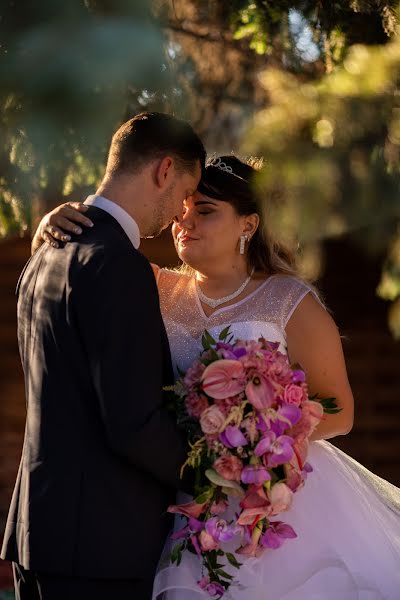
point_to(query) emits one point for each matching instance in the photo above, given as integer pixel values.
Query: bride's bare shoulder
(156, 269)
(164, 275)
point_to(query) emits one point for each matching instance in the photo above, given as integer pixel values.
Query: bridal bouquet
(249, 420)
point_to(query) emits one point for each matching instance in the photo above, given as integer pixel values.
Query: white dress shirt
(127, 223)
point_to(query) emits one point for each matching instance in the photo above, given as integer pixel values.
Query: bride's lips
(184, 239)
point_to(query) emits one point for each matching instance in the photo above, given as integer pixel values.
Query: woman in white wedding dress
(347, 520)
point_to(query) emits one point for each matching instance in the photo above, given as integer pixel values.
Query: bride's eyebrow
(199, 202)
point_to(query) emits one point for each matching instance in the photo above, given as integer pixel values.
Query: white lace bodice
(265, 312)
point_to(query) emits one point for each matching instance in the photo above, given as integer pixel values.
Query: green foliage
(330, 406)
(70, 73)
(207, 340)
(332, 149)
(232, 559)
(333, 26)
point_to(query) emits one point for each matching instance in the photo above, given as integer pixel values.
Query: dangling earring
(243, 240)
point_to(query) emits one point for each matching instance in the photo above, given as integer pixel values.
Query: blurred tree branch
(326, 112)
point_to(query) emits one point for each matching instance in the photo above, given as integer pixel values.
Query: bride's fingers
(49, 239)
(71, 212)
(63, 223)
(77, 206)
(56, 233)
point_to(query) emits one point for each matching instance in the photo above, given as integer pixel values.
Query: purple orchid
(276, 450)
(298, 376)
(256, 474)
(276, 534)
(262, 423)
(220, 530)
(287, 416)
(193, 526)
(227, 351)
(232, 437)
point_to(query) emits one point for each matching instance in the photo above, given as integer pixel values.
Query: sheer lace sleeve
(291, 291)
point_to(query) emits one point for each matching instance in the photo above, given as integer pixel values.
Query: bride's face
(208, 231)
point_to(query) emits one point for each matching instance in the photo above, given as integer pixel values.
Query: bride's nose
(185, 221)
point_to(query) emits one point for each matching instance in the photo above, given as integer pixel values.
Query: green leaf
(212, 559)
(224, 333)
(205, 495)
(207, 340)
(176, 553)
(222, 573)
(330, 405)
(232, 559)
(228, 486)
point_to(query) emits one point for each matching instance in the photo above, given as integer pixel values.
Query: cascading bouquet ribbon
(249, 420)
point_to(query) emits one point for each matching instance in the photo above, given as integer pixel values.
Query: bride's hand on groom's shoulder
(56, 224)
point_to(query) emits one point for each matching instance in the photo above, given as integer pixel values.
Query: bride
(346, 518)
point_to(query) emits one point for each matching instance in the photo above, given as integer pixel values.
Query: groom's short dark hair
(152, 135)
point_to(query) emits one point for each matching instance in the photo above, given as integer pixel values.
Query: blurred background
(313, 87)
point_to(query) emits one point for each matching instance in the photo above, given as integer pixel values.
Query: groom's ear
(164, 172)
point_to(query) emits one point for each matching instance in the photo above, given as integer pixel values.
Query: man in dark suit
(101, 455)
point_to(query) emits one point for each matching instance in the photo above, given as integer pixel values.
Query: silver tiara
(218, 164)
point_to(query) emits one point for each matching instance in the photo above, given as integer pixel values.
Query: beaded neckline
(214, 302)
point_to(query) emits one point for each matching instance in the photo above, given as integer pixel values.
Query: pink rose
(212, 420)
(229, 467)
(223, 378)
(196, 404)
(207, 542)
(294, 394)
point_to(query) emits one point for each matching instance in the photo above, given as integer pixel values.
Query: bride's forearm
(332, 426)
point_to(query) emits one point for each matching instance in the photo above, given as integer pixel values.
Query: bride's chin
(188, 258)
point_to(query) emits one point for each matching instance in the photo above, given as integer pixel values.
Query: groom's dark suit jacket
(101, 455)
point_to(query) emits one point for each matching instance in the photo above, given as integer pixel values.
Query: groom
(101, 455)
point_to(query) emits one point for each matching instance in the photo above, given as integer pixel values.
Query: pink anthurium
(223, 378)
(260, 392)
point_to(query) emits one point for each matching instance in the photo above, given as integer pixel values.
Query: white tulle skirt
(348, 545)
